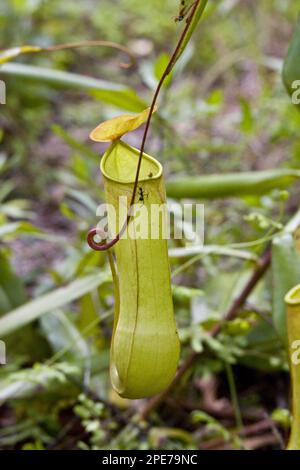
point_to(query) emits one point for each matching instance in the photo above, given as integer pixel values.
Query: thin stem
(94, 43)
(103, 246)
(187, 264)
(234, 396)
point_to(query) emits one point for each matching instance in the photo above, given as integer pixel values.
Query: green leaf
(11, 287)
(15, 228)
(126, 99)
(193, 26)
(115, 128)
(109, 92)
(247, 119)
(160, 66)
(28, 382)
(62, 334)
(90, 320)
(285, 275)
(231, 184)
(189, 251)
(74, 143)
(44, 304)
(10, 54)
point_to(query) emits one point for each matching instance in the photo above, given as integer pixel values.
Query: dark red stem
(103, 246)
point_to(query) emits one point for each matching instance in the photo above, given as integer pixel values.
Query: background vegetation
(224, 110)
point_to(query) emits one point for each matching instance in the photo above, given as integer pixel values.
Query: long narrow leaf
(109, 92)
(193, 26)
(189, 251)
(231, 184)
(49, 302)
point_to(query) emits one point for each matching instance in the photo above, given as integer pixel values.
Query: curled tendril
(99, 246)
(104, 245)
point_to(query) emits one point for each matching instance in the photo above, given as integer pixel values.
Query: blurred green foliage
(223, 110)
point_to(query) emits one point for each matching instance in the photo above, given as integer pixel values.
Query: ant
(183, 11)
(142, 195)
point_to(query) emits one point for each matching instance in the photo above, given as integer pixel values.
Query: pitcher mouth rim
(136, 152)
